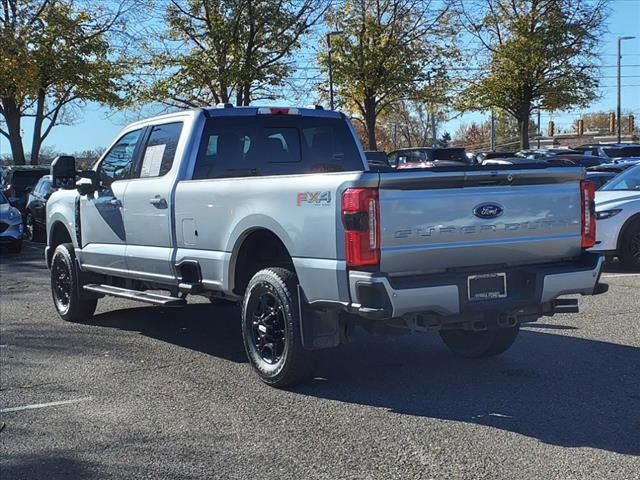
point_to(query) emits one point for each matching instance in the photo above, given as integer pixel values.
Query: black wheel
(29, 227)
(67, 298)
(15, 247)
(469, 344)
(630, 247)
(31, 230)
(271, 328)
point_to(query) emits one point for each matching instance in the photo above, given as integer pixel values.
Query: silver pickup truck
(278, 208)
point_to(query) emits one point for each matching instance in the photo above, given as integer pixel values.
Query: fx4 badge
(314, 198)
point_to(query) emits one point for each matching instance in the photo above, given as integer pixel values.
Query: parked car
(546, 152)
(600, 178)
(10, 225)
(19, 181)
(482, 156)
(618, 218)
(611, 167)
(425, 157)
(522, 161)
(35, 214)
(377, 160)
(236, 203)
(613, 151)
(579, 160)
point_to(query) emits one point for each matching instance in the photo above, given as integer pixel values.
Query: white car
(618, 218)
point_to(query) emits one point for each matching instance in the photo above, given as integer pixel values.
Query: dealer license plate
(487, 286)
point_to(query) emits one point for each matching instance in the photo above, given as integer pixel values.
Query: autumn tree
(536, 53)
(54, 55)
(408, 123)
(388, 50)
(226, 51)
(477, 135)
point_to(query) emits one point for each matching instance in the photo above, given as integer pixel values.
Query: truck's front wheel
(487, 343)
(271, 328)
(65, 289)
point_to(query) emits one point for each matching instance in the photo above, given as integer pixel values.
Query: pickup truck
(277, 208)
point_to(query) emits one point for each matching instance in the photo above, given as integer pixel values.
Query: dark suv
(18, 181)
(35, 214)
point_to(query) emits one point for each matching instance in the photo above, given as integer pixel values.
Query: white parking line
(43, 405)
(614, 275)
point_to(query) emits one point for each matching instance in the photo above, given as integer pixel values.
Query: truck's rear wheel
(487, 343)
(65, 289)
(271, 328)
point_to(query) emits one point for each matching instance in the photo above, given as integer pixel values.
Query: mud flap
(320, 327)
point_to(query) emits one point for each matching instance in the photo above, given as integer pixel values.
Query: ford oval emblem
(488, 210)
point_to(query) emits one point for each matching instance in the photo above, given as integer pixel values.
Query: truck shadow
(213, 330)
(562, 390)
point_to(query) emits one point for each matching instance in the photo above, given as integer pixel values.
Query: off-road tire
(70, 303)
(294, 364)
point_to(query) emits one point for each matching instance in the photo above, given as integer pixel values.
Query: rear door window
(160, 150)
(268, 145)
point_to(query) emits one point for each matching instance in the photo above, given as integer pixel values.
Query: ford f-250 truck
(278, 208)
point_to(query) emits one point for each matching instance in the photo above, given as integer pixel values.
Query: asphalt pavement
(150, 392)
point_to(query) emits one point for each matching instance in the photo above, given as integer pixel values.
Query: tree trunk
(246, 94)
(523, 130)
(36, 141)
(370, 122)
(12, 119)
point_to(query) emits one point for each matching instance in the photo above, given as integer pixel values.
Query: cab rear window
(275, 145)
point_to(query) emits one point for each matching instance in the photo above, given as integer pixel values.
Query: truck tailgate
(437, 221)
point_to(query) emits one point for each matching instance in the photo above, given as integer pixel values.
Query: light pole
(619, 118)
(329, 35)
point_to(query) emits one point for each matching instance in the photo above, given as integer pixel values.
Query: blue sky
(96, 126)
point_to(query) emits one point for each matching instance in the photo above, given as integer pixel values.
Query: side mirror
(63, 172)
(87, 188)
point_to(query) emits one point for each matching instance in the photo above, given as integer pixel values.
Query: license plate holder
(487, 286)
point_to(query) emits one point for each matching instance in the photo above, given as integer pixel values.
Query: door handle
(115, 202)
(158, 202)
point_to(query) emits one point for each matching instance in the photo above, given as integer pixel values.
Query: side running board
(153, 298)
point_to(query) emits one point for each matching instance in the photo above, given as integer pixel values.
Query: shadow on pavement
(210, 329)
(563, 390)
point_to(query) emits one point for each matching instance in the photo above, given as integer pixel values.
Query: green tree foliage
(388, 50)
(538, 52)
(54, 55)
(227, 51)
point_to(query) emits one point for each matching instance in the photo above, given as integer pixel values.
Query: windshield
(622, 152)
(629, 180)
(3, 199)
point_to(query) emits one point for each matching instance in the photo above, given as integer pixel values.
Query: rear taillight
(361, 220)
(588, 210)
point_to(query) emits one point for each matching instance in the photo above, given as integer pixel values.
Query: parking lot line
(44, 405)
(613, 275)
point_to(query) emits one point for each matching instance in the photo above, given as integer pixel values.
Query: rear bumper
(532, 291)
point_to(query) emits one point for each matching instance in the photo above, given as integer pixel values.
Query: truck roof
(229, 110)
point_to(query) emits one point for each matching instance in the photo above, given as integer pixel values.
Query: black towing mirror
(63, 172)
